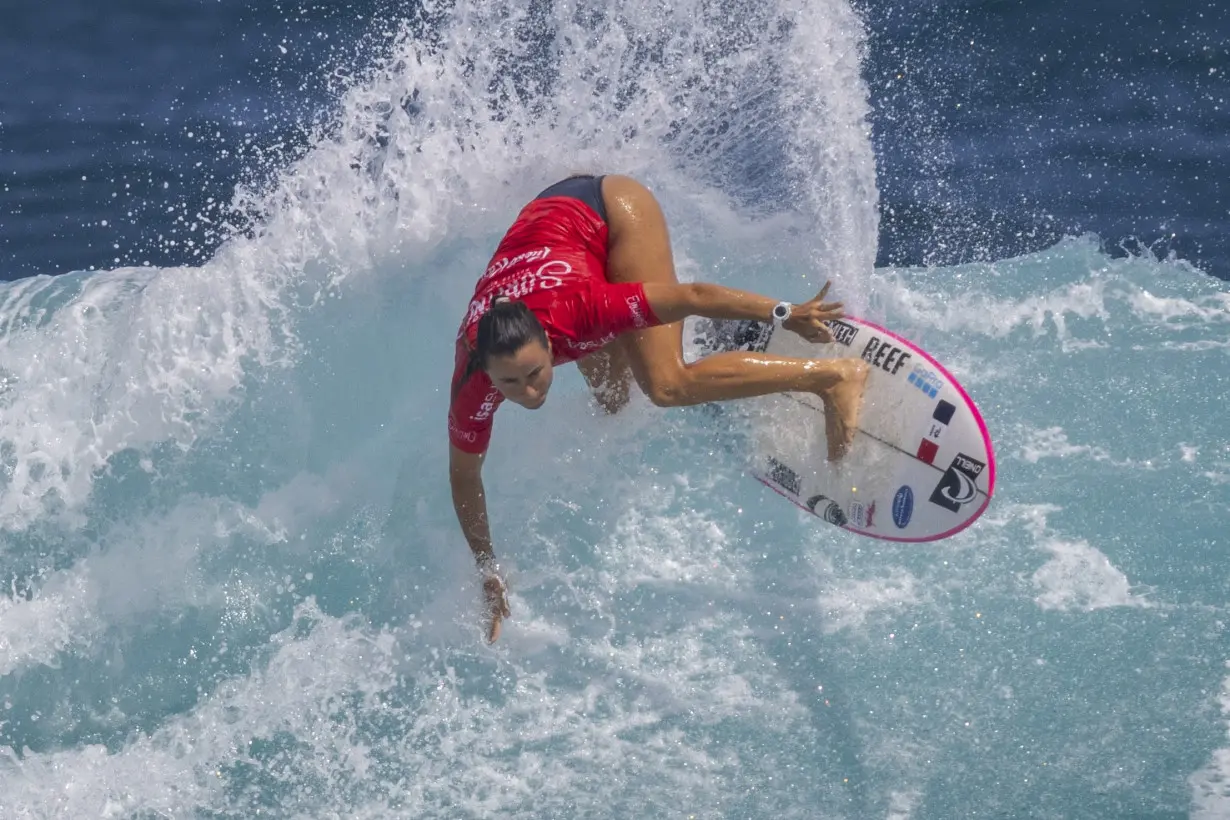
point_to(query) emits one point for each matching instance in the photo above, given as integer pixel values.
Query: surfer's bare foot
(842, 402)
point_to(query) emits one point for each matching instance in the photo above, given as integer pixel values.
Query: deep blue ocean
(235, 243)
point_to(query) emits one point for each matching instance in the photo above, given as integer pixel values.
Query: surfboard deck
(921, 466)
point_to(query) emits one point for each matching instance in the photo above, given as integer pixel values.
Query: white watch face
(781, 311)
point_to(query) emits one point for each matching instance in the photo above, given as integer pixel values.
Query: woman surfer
(585, 274)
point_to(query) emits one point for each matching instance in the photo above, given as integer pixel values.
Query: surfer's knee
(666, 394)
(667, 389)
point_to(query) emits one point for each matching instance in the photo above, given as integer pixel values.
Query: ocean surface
(236, 240)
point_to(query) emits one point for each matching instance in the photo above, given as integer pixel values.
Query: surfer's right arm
(466, 479)
(470, 502)
(474, 402)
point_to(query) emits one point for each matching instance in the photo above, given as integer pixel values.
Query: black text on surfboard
(929, 447)
(885, 355)
(783, 476)
(843, 333)
(959, 483)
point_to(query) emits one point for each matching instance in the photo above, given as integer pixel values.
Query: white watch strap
(781, 312)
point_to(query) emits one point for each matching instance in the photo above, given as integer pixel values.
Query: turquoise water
(235, 586)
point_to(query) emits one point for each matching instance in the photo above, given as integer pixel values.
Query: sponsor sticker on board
(885, 355)
(903, 506)
(843, 332)
(828, 509)
(862, 515)
(784, 477)
(929, 447)
(958, 485)
(926, 380)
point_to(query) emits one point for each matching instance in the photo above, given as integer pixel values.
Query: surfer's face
(523, 377)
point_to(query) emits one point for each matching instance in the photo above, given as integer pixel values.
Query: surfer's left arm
(673, 302)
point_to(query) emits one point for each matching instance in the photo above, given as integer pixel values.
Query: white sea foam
(1214, 308)
(1210, 785)
(1087, 312)
(1078, 577)
(657, 516)
(847, 603)
(61, 616)
(177, 767)
(445, 744)
(137, 572)
(1053, 442)
(96, 364)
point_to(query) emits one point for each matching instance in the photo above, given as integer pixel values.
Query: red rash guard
(553, 258)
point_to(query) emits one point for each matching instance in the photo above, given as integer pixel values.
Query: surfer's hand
(808, 319)
(495, 603)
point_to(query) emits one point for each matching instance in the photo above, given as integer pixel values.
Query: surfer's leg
(639, 251)
(608, 376)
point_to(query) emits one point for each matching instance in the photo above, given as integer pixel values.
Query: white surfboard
(921, 466)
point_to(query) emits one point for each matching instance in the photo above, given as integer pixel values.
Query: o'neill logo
(959, 483)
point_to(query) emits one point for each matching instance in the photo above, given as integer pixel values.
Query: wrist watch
(486, 563)
(781, 312)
